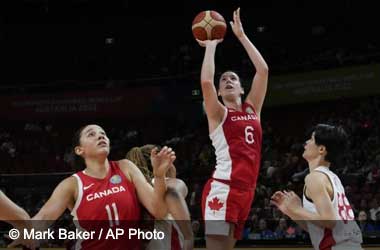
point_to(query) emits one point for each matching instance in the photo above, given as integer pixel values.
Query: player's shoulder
(316, 177)
(124, 163)
(69, 181)
(67, 186)
(127, 167)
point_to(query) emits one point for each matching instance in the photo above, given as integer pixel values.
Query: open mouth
(229, 86)
(102, 143)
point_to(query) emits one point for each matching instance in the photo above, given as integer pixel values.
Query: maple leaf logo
(215, 204)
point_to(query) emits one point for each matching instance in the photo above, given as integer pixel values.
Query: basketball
(209, 25)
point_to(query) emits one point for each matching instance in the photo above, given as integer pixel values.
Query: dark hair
(221, 73)
(77, 161)
(334, 138)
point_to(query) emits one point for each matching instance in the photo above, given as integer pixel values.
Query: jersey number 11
(109, 213)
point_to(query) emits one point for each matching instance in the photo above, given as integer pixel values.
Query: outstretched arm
(214, 109)
(12, 213)
(18, 218)
(278, 199)
(325, 216)
(259, 85)
(62, 198)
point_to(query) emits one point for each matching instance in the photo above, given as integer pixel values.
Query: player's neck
(97, 168)
(236, 104)
(317, 162)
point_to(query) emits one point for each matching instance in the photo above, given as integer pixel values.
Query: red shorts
(223, 203)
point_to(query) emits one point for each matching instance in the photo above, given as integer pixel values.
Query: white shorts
(347, 246)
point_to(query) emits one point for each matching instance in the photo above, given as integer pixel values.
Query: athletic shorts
(222, 205)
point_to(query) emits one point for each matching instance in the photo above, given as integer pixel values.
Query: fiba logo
(249, 110)
(115, 179)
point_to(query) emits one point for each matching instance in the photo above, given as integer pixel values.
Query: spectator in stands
(283, 231)
(365, 226)
(265, 232)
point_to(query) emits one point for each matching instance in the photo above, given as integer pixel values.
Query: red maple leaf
(215, 204)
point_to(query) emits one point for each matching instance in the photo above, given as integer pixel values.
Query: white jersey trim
(223, 168)
(78, 244)
(220, 126)
(80, 195)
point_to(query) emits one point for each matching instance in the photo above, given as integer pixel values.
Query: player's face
(94, 142)
(312, 150)
(229, 85)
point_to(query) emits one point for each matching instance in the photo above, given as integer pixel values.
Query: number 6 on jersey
(248, 131)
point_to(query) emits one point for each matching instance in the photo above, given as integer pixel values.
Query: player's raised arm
(258, 90)
(213, 107)
(209, 29)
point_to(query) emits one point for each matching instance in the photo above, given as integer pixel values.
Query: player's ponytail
(136, 155)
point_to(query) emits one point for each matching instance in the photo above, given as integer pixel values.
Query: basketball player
(236, 135)
(17, 217)
(325, 213)
(106, 193)
(177, 224)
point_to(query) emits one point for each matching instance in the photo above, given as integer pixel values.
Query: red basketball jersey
(107, 203)
(237, 143)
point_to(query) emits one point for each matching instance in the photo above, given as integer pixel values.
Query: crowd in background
(43, 147)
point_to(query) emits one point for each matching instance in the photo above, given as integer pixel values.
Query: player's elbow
(206, 82)
(263, 70)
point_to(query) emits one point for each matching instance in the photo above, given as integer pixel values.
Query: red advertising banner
(94, 104)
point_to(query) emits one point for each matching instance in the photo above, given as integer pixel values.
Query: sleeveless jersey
(237, 143)
(346, 234)
(107, 204)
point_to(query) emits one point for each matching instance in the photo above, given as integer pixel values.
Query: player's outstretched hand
(161, 161)
(236, 24)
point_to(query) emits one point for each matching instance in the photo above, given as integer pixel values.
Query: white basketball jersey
(346, 234)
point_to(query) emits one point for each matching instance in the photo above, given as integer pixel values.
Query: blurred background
(133, 67)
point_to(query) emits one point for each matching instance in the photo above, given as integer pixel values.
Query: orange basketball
(209, 25)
